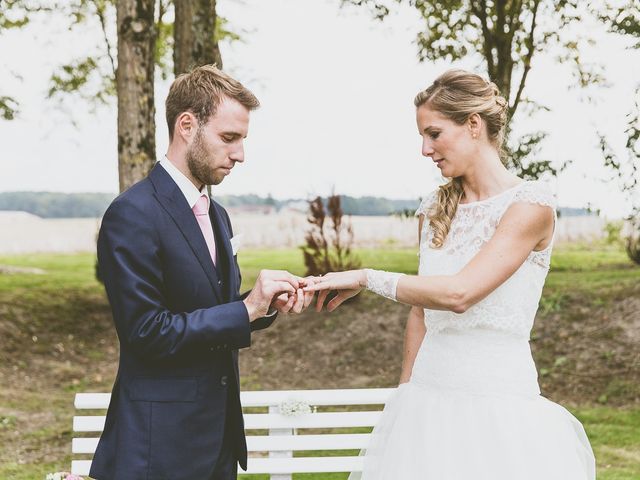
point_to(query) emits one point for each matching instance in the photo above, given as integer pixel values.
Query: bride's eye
(435, 135)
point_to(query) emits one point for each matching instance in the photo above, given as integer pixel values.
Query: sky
(337, 114)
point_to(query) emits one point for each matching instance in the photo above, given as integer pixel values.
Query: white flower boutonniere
(295, 408)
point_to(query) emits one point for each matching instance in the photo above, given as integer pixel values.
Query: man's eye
(227, 139)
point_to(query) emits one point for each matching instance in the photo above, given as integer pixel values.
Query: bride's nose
(427, 147)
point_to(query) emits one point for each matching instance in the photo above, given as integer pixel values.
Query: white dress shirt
(188, 189)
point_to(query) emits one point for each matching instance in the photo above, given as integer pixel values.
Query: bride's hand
(348, 284)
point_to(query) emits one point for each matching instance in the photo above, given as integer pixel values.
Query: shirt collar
(188, 189)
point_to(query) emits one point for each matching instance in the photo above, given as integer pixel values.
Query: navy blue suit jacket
(180, 322)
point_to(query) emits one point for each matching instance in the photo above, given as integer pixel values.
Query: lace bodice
(513, 305)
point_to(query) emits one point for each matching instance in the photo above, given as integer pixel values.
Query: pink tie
(201, 211)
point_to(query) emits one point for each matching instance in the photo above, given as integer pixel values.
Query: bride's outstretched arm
(523, 228)
(413, 335)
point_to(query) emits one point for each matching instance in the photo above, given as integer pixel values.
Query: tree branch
(514, 19)
(527, 60)
(103, 24)
(481, 12)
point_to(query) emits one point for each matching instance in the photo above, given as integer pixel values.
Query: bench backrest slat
(275, 465)
(255, 421)
(267, 443)
(353, 396)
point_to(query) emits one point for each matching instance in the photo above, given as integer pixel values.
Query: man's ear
(186, 126)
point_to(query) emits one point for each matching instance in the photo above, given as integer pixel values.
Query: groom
(166, 256)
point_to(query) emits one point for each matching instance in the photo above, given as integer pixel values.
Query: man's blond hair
(201, 91)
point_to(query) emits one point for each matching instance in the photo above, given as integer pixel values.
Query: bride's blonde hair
(457, 94)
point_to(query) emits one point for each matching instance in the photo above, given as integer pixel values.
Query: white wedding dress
(472, 409)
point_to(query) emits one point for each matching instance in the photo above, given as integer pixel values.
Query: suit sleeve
(129, 258)
(259, 323)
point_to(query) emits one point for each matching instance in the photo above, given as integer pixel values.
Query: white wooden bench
(273, 453)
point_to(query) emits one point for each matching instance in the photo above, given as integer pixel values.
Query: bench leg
(283, 454)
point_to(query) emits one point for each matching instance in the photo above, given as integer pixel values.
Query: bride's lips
(438, 162)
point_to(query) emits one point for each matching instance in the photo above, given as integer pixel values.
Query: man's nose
(238, 154)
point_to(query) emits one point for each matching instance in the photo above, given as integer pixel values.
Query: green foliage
(324, 252)
(633, 245)
(8, 108)
(615, 438)
(164, 43)
(613, 233)
(624, 20)
(15, 13)
(57, 205)
(526, 147)
(81, 77)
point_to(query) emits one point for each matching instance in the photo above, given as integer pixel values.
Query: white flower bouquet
(295, 408)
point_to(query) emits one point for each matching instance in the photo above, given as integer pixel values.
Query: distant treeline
(57, 205)
(79, 205)
(350, 205)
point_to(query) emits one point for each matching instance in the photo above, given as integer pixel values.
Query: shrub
(328, 250)
(633, 243)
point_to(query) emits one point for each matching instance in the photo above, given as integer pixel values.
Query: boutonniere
(236, 243)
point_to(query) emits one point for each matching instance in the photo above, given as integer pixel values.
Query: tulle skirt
(472, 411)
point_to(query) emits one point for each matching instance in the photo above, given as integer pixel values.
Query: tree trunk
(194, 35)
(134, 83)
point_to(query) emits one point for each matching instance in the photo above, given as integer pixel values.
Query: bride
(468, 405)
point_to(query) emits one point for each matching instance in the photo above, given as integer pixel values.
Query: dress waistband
(478, 361)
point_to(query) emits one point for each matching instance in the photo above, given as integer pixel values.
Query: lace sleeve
(426, 203)
(536, 192)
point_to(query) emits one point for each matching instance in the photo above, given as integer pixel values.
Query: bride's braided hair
(457, 94)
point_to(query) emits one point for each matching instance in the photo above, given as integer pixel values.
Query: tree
(134, 80)
(195, 41)
(507, 35)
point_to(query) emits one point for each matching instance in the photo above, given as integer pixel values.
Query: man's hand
(297, 303)
(270, 285)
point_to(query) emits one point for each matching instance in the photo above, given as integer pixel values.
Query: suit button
(219, 283)
(223, 380)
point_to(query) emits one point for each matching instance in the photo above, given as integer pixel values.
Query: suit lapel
(223, 247)
(173, 201)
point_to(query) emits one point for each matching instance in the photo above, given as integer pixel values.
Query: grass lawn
(58, 340)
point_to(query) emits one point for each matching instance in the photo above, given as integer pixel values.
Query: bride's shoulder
(427, 202)
(537, 192)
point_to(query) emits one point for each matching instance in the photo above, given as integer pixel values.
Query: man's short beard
(197, 161)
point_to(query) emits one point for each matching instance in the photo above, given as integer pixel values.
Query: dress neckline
(493, 197)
